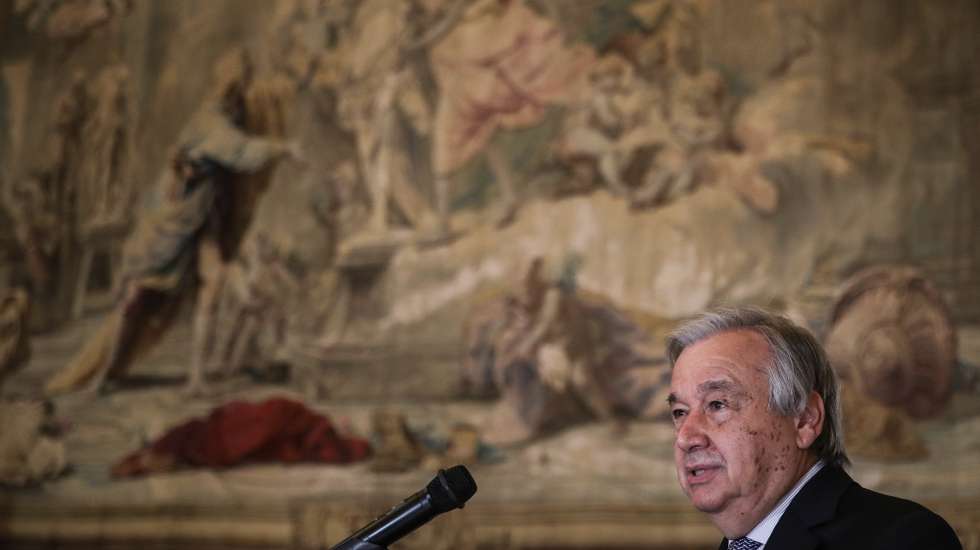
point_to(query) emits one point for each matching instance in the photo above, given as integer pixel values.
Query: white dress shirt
(762, 531)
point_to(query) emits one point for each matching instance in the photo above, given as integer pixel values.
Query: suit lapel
(791, 533)
(815, 504)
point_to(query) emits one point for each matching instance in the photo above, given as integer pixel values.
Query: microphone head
(451, 488)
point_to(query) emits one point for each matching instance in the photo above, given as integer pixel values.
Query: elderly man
(759, 446)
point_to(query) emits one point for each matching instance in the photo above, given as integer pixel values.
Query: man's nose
(691, 434)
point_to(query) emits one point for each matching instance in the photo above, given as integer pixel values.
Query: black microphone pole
(355, 544)
(448, 490)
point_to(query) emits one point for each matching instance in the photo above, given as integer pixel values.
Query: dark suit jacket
(833, 512)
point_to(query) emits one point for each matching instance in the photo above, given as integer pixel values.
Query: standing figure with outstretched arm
(190, 233)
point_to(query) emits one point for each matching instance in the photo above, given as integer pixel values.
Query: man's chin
(707, 502)
(709, 508)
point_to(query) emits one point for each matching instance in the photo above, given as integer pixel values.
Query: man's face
(734, 457)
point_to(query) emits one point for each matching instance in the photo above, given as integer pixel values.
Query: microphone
(449, 489)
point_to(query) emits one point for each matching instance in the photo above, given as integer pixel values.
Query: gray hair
(799, 366)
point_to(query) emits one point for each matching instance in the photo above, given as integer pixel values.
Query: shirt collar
(764, 529)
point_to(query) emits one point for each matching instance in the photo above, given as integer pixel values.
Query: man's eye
(677, 414)
(717, 405)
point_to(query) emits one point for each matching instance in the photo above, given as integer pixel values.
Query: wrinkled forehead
(732, 360)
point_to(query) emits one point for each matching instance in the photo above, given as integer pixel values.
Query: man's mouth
(701, 473)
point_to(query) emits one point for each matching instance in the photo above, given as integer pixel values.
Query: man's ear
(809, 424)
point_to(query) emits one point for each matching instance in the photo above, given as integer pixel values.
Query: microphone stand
(357, 544)
(449, 489)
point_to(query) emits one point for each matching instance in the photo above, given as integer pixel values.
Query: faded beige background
(666, 156)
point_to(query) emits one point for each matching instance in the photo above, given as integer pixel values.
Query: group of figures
(416, 95)
(191, 237)
(421, 91)
(430, 89)
(452, 74)
(554, 357)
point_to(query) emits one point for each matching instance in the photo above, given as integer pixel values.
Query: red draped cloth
(275, 430)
